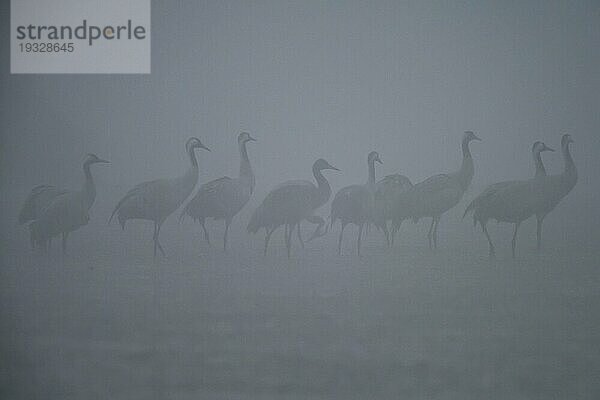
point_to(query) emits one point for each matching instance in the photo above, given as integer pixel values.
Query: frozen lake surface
(402, 323)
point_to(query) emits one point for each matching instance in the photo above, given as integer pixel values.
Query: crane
(510, 201)
(355, 203)
(390, 204)
(66, 212)
(156, 200)
(223, 198)
(291, 202)
(556, 187)
(439, 193)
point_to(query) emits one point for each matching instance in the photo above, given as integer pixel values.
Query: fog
(310, 79)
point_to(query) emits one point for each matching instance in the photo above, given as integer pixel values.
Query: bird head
(469, 136)
(566, 139)
(321, 164)
(94, 159)
(373, 157)
(245, 137)
(539, 147)
(195, 143)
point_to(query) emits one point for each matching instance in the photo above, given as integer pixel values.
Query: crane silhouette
(223, 198)
(291, 202)
(355, 203)
(156, 200)
(64, 212)
(439, 193)
(556, 187)
(38, 199)
(391, 197)
(510, 201)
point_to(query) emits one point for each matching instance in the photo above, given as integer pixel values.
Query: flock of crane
(385, 204)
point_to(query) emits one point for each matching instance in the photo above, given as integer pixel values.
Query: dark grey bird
(391, 204)
(438, 194)
(510, 201)
(223, 198)
(65, 211)
(156, 200)
(556, 187)
(38, 199)
(290, 203)
(355, 204)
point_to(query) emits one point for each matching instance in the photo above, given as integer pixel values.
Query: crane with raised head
(556, 187)
(355, 204)
(66, 211)
(510, 201)
(156, 200)
(223, 198)
(439, 193)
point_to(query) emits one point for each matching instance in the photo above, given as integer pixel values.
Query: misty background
(309, 79)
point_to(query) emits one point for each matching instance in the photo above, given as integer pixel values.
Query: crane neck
(193, 160)
(540, 170)
(245, 167)
(89, 188)
(570, 169)
(322, 185)
(371, 178)
(467, 168)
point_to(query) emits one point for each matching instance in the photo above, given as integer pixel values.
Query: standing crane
(156, 200)
(391, 196)
(223, 198)
(439, 193)
(355, 203)
(556, 187)
(38, 199)
(65, 212)
(291, 202)
(510, 201)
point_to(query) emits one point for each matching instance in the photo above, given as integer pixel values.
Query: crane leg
(157, 244)
(386, 232)
(435, 232)
(340, 239)
(514, 239)
(288, 239)
(358, 242)
(396, 230)
(154, 239)
(430, 231)
(487, 235)
(206, 237)
(268, 233)
(227, 223)
(540, 221)
(300, 236)
(65, 235)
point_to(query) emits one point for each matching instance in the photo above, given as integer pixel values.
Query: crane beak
(379, 160)
(203, 147)
(475, 137)
(548, 148)
(251, 139)
(333, 168)
(102, 161)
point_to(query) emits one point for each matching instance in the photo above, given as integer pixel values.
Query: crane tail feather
(119, 205)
